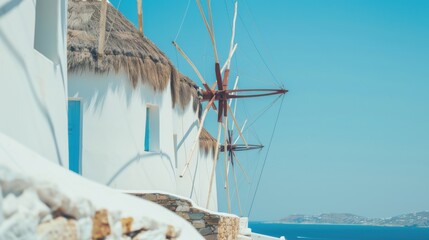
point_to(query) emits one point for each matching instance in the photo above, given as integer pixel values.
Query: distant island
(419, 219)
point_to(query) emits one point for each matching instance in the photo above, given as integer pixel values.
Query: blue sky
(353, 133)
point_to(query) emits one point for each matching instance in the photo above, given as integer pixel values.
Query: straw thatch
(184, 93)
(125, 50)
(207, 142)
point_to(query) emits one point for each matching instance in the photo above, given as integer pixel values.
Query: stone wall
(211, 225)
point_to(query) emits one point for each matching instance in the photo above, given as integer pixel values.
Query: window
(151, 138)
(46, 30)
(75, 135)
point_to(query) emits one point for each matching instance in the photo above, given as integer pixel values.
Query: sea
(339, 232)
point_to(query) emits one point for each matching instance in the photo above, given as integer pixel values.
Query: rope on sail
(266, 156)
(258, 51)
(183, 20)
(259, 115)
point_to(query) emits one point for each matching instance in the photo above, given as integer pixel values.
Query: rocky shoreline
(418, 219)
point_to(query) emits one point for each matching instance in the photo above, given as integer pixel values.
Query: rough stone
(196, 216)
(171, 232)
(127, 223)
(199, 224)
(59, 228)
(162, 197)
(100, 224)
(211, 237)
(212, 220)
(149, 197)
(205, 231)
(182, 208)
(211, 226)
(196, 210)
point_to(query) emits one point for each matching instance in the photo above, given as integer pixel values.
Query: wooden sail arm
(209, 27)
(240, 147)
(257, 93)
(268, 92)
(218, 77)
(206, 86)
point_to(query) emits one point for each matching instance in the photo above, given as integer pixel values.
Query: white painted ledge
(23, 161)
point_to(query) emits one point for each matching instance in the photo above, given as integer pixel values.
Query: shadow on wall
(186, 135)
(36, 98)
(138, 157)
(118, 84)
(93, 93)
(5, 8)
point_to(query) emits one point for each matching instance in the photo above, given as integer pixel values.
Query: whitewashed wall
(196, 180)
(33, 76)
(114, 116)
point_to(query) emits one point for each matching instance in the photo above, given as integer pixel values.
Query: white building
(128, 118)
(33, 76)
(139, 115)
(34, 134)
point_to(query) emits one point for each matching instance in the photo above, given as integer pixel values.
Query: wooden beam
(102, 36)
(140, 14)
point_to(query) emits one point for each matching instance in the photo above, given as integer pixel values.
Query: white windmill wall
(195, 182)
(33, 75)
(114, 118)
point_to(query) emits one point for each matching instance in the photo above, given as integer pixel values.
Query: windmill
(219, 93)
(232, 160)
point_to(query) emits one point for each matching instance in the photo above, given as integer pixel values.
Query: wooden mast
(102, 36)
(140, 14)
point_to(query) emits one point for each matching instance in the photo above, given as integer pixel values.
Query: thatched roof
(184, 90)
(207, 142)
(125, 50)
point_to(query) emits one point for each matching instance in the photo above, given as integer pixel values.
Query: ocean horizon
(339, 232)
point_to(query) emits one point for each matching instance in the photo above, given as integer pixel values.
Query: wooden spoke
(227, 63)
(232, 46)
(236, 191)
(209, 28)
(230, 100)
(212, 30)
(236, 124)
(242, 170)
(242, 130)
(255, 92)
(192, 65)
(214, 86)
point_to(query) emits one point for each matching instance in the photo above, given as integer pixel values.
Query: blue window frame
(75, 135)
(152, 130)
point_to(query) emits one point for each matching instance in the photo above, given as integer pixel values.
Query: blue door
(75, 135)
